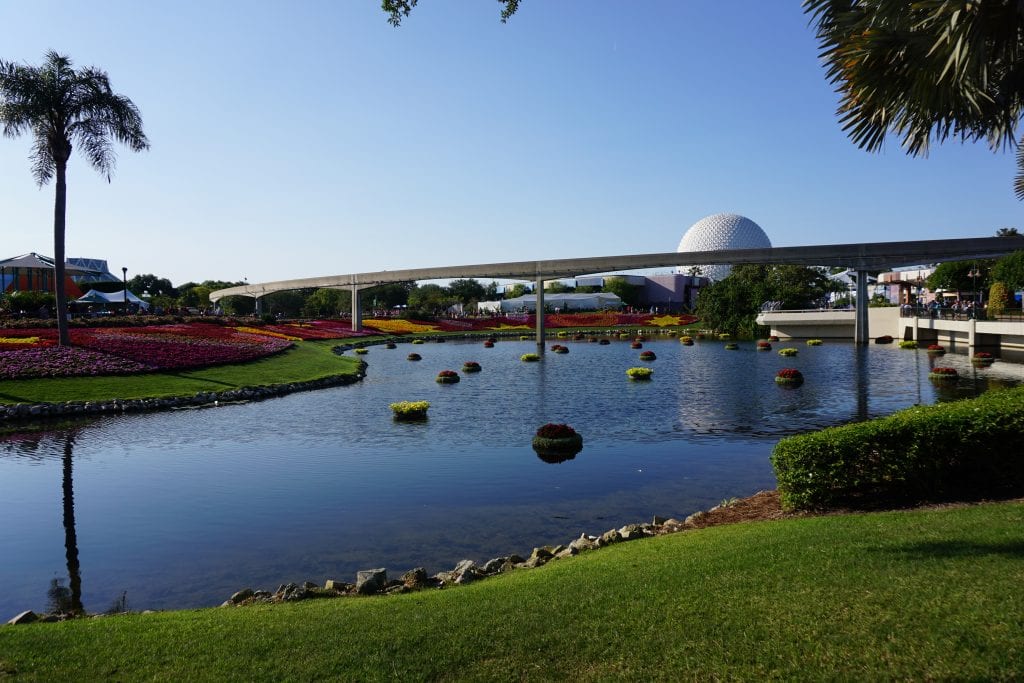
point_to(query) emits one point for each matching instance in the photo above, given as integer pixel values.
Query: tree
(327, 303)
(1007, 232)
(466, 290)
(491, 291)
(430, 298)
(60, 105)
(558, 287)
(397, 9)
(957, 275)
(156, 286)
(517, 290)
(1010, 270)
(630, 294)
(731, 305)
(922, 70)
(387, 296)
(997, 298)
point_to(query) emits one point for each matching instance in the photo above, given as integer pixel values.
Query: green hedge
(960, 450)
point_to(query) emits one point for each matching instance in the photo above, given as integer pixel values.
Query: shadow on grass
(927, 550)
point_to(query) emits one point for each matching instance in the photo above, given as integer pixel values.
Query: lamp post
(124, 276)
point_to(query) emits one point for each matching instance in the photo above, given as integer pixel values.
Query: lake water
(180, 509)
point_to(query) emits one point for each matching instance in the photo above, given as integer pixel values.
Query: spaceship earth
(721, 231)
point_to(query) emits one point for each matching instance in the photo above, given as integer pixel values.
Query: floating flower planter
(773, 338)
(884, 339)
(579, 337)
(636, 345)
(414, 356)
(789, 351)
(410, 410)
(562, 334)
(789, 377)
(814, 342)
(558, 348)
(983, 358)
(488, 344)
(623, 335)
(471, 366)
(731, 346)
(639, 373)
(362, 352)
(648, 355)
(558, 441)
(764, 346)
(529, 357)
(524, 337)
(604, 342)
(936, 350)
(939, 374)
(417, 341)
(686, 341)
(908, 344)
(447, 377)
(725, 336)
(391, 345)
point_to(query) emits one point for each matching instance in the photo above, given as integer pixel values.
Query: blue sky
(316, 139)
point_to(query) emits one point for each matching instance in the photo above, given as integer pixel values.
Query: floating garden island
(558, 348)
(773, 338)
(732, 346)
(936, 350)
(559, 442)
(908, 344)
(391, 345)
(639, 373)
(410, 410)
(686, 341)
(471, 366)
(418, 341)
(447, 377)
(414, 356)
(884, 339)
(814, 342)
(941, 374)
(648, 355)
(636, 345)
(764, 346)
(488, 344)
(789, 377)
(603, 342)
(982, 359)
(529, 357)
(788, 351)
(362, 352)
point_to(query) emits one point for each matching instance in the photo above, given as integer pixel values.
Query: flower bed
(936, 349)
(529, 357)
(636, 345)
(639, 373)
(418, 341)
(686, 341)
(789, 377)
(65, 361)
(773, 338)
(488, 344)
(788, 352)
(557, 439)
(983, 358)
(724, 336)
(447, 377)
(410, 410)
(942, 374)
(884, 339)
(648, 355)
(471, 366)
(908, 344)
(414, 356)
(814, 342)
(764, 346)
(558, 348)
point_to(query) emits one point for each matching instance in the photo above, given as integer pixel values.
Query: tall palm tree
(60, 105)
(936, 69)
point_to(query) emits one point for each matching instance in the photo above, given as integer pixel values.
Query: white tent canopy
(564, 302)
(94, 296)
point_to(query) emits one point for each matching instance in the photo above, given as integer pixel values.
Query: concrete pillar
(539, 288)
(357, 313)
(916, 322)
(971, 330)
(861, 325)
(258, 307)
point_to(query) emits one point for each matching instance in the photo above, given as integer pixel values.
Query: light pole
(124, 276)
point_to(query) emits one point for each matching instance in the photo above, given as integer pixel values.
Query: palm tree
(59, 105)
(926, 70)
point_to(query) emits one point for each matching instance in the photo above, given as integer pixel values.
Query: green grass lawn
(308, 360)
(921, 595)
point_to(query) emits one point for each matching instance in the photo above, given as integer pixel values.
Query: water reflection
(70, 535)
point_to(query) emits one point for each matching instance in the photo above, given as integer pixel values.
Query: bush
(639, 373)
(529, 357)
(908, 344)
(410, 410)
(951, 451)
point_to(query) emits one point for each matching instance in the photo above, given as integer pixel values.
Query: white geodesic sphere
(721, 231)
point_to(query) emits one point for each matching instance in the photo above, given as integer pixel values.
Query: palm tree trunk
(59, 213)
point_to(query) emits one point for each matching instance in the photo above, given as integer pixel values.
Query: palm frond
(1018, 181)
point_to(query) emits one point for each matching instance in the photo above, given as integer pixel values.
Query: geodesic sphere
(717, 232)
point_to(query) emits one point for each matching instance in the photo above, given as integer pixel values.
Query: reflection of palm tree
(70, 537)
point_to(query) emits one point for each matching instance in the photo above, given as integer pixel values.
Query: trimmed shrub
(529, 357)
(639, 373)
(950, 451)
(908, 344)
(447, 377)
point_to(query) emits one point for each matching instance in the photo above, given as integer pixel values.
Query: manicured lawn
(307, 361)
(920, 595)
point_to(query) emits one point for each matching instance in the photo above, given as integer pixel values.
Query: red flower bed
(556, 431)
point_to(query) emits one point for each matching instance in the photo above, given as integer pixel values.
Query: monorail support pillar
(357, 311)
(861, 325)
(539, 289)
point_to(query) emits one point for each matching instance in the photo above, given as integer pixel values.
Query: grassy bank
(928, 594)
(307, 361)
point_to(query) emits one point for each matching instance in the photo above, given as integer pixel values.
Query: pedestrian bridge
(862, 257)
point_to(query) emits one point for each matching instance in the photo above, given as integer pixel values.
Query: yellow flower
(19, 340)
(266, 333)
(666, 320)
(399, 326)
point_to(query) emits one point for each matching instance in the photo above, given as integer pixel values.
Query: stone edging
(34, 411)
